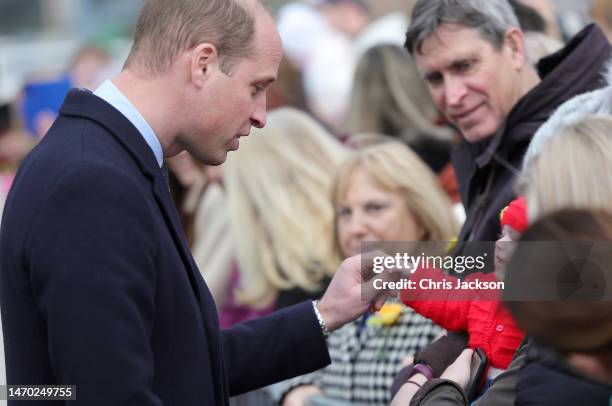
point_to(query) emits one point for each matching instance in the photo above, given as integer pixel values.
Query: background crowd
(355, 150)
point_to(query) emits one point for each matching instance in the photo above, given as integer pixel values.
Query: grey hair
(491, 18)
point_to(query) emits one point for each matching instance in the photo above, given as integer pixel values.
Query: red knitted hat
(515, 215)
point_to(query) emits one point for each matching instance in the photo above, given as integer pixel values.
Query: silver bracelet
(320, 318)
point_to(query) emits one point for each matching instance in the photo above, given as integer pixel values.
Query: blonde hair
(388, 94)
(571, 170)
(278, 185)
(396, 168)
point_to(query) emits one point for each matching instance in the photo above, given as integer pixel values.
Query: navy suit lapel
(164, 200)
(207, 304)
(85, 104)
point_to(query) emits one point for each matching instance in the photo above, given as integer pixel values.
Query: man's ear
(514, 42)
(203, 61)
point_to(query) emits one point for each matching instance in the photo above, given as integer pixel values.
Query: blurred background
(42, 36)
(344, 70)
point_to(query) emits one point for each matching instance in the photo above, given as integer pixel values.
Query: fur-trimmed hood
(596, 102)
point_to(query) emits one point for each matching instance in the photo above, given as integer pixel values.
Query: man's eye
(433, 79)
(464, 66)
(258, 89)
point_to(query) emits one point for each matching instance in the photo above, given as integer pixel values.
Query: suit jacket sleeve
(91, 256)
(280, 346)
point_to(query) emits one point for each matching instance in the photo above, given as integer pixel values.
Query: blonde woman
(278, 186)
(382, 193)
(394, 169)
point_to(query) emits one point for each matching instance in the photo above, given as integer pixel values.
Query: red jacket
(488, 323)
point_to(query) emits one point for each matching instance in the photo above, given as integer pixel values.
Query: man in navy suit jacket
(98, 287)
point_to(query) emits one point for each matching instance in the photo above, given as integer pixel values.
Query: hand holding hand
(352, 291)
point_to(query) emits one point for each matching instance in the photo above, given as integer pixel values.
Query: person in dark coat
(98, 288)
(472, 56)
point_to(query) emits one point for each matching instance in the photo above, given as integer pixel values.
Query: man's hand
(351, 291)
(459, 371)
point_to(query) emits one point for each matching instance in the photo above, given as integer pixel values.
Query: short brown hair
(165, 28)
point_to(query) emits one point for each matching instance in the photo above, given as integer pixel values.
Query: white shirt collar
(113, 96)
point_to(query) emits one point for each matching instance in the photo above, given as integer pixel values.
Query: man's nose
(258, 118)
(454, 91)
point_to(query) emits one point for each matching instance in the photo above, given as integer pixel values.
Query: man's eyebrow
(459, 61)
(451, 65)
(266, 81)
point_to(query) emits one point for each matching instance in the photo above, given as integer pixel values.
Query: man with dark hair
(98, 287)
